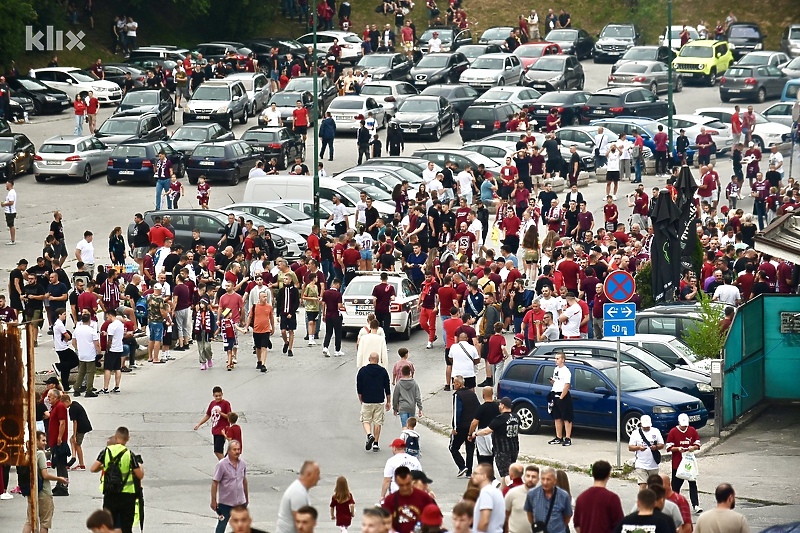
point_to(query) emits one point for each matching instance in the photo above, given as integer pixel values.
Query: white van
(272, 188)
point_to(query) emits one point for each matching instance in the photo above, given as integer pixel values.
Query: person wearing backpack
(119, 466)
(411, 437)
(406, 396)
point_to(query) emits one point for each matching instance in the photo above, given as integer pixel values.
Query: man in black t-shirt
(504, 430)
(127, 84)
(42, 272)
(80, 427)
(487, 412)
(647, 515)
(57, 231)
(553, 164)
(33, 297)
(547, 195)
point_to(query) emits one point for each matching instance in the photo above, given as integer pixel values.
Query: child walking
(218, 411)
(175, 192)
(205, 326)
(234, 431)
(311, 299)
(203, 192)
(342, 505)
(411, 437)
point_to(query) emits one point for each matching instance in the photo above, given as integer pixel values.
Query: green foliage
(14, 16)
(644, 284)
(706, 339)
(698, 256)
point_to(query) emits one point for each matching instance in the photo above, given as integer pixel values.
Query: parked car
(459, 96)
(703, 60)
(439, 68)
(306, 206)
(348, 41)
(492, 70)
(669, 319)
(452, 38)
(780, 112)
(393, 168)
(219, 101)
(647, 128)
(555, 73)
(386, 66)
(615, 39)
(263, 47)
(81, 156)
(568, 103)
(277, 214)
(358, 303)
(286, 101)
(766, 133)
(530, 52)
(165, 52)
(752, 83)
(376, 177)
(645, 53)
(480, 121)
(45, 99)
(257, 87)
(583, 137)
(4, 126)
(652, 75)
(426, 116)
(145, 127)
(218, 51)
(17, 154)
(669, 349)
(390, 94)
(593, 388)
(348, 111)
(226, 160)
(326, 91)
(744, 37)
(501, 145)
(675, 33)
(623, 101)
(412, 164)
(19, 106)
(496, 35)
(186, 138)
(791, 91)
(721, 133)
(790, 40)
(496, 150)
(141, 101)
(572, 41)
(460, 157)
(760, 58)
(520, 96)
(280, 143)
(73, 81)
(149, 64)
(135, 160)
(792, 69)
(115, 72)
(474, 51)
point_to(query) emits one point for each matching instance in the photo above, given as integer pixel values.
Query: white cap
(683, 419)
(157, 287)
(646, 421)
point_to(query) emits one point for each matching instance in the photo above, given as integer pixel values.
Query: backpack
(113, 480)
(412, 444)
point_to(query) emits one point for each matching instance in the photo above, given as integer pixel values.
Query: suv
(613, 102)
(482, 120)
(220, 101)
(451, 36)
(703, 60)
(615, 40)
(439, 68)
(593, 387)
(790, 40)
(140, 101)
(744, 37)
(144, 127)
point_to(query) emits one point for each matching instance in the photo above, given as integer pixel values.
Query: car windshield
(641, 54)
(406, 174)
(617, 32)
(494, 34)
(630, 379)
(489, 63)
(206, 92)
(738, 72)
(744, 32)
(433, 62)
(291, 213)
(124, 150)
(480, 113)
(444, 35)
(302, 84)
(33, 85)
(185, 133)
(376, 90)
(472, 51)
(437, 91)
(413, 105)
(697, 51)
(794, 33)
(346, 105)
(561, 35)
(281, 99)
(141, 98)
(496, 94)
(684, 350)
(261, 136)
(648, 359)
(119, 127)
(632, 68)
(603, 100)
(374, 192)
(529, 51)
(376, 60)
(554, 98)
(209, 151)
(363, 287)
(56, 148)
(754, 59)
(676, 34)
(81, 77)
(794, 64)
(6, 145)
(549, 64)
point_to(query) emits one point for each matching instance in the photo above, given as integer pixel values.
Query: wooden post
(33, 500)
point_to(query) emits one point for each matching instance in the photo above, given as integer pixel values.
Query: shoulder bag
(539, 526)
(656, 453)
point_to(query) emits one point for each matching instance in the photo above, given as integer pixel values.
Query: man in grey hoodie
(406, 396)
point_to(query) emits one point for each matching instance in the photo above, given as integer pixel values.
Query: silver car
(491, 70)
(306, 205)
(652, 75)
(258, 89)
(793, 68)
(276, 214)
(389, 93)
(71, 155)
(780, 112)
(349, 110)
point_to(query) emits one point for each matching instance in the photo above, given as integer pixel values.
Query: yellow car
(703, 60)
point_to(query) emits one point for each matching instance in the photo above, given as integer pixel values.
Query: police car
(358, 304)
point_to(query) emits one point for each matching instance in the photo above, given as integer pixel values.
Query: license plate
(126, 172)
(541, 111)
(694, 418)
(258, 148)
(733, 90)
(65, 103)
(599, 112)
(339, 117)
(54, 163)
(539, 85)
(203, 117)
(479, 126)
(207, 163)
(364, 308)
(422, 83)
(410, 130)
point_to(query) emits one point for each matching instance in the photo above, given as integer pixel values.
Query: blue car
(135, 161)
(527, 382)
(647, 127)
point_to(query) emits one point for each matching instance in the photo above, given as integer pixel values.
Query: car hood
(430, 72)
(614, 41)
(183, 146)
(481, 73)
(207, 104)
(690, 373)
(113, 140)
(107, 85)
(132, 109)
(663, 395)
(377, 70)
(5, 157)
(542, 74)
(566, 43)
(414, 117)
(58, 95)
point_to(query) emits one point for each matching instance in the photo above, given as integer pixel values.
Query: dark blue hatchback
(136, 160)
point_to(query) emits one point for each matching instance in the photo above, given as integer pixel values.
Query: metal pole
(669, 78)
(33, 502)
(619, 421)
(315, 114)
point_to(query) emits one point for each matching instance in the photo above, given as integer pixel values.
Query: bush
(706, 339)
(644, 285)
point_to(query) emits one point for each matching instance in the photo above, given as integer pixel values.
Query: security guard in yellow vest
(120, 503)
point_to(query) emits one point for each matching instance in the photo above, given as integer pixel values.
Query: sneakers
(429, 345)
(312, 342)
(697, 509)
(370, 442)
(210, 363)
(91, 394)
(462, 472)
(101, 391)
(17, 490)
(567, 442)
(290, 354)
(6, 496)
(285, 347)
(326, 352)
(376, 448)
(447, 388)
(338, 353)
(72, 462)
(9, 243)
(263, 369)
(556, 441)
(258, 365)
(115, 390)
(203, 366)
(78, 468)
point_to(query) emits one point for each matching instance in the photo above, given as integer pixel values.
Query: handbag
(688, 468)
(539, 526)
(656, 453)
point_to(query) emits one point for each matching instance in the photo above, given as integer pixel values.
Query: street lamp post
(670, 69)
(315, 114)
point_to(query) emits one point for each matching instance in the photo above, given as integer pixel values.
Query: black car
(744, 37)
(45, 99)
(615, 39)
(645, 53)
(5, 127)
(555, 73)
(452, 38)
(459, 96)
(145, 127)
(572, 41)
(186, 138)
(568, 103)
(18, 106)
(263, 49)
(142, 101)
(613, 102)
(280, 143)
(386, 66)
(439, 68)
(496, 35)
(223, 160)
(482, 120)
(116, 72)
(473, 51)
(426, 115)
(326, 90)
(16, 154)
(149, 64)
(219, 51)
(135, 161)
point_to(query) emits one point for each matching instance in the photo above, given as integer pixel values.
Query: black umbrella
(686, 186)
(665, 248)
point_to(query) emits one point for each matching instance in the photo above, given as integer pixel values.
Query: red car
(529, 53)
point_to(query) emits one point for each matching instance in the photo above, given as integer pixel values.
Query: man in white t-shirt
(645, 464)
(435, 185)
(466, 182)
(86, 341)
(112, 361)
(551, 332)
(435, 44)
(273, 116)
(84, 251)
(361, 209)
(553, 304)
(727, 294)
(489, 514)
(400, 458)
(10, 211)
(570, 318)
(562, 401)
(429, 174)
(464, 357)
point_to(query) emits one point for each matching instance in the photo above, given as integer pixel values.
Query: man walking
(597, 509)
(112, 361)
(296, 496)
(86, 341)
(372, 385)
(399, 459)
(327, 133)
(723, 517)
(465, 407)
(119, 466)
(362, 139)
(516, 517)
(544, 513)
(504, 430)
(646, 443)
(57, 439)
(229, 485)
(45, 494)
(490, 510)
(287, 303)
(10, 211)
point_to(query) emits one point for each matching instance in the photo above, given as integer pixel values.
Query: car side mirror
(602, 390)
(221, 231)
(236, 98)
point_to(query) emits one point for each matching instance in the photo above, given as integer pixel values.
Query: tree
(15, 15)
(644, 284)
(706, 338)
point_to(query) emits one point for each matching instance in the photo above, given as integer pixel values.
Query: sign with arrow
(619, 320)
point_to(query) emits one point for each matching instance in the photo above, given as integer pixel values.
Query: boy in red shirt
(301, 120)
(218, 411)
(450, 326)
(234, 431)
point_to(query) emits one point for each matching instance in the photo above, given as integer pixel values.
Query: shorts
(552, 165)
(230, 344)
(10, 219)
(183, 91)
(46, 509)
(219, 443)
(79, 438)
(156, 331)
(122, 309)
(643, 473)
(447, 359)
(34, 316)
(301, 130)
(112, 361)
(312, 316)
(166, 339)
(612, 176)
(203, 201)
(288, 324)
(366, 255)
(537, 179)
(372, 413)
(562, 409)
(261, 340)
(275, 75)
(139, 253)
(408, 46)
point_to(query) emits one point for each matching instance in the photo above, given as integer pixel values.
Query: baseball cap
(751, 144)
(506, 401)
(683, 419)
(646, 421)
(398, 443)
(52, 380)
(419, 475)
(157, 287)
(519, 337)
(431, 516)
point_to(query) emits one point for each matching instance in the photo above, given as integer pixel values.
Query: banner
(686, 186)
(665, 260)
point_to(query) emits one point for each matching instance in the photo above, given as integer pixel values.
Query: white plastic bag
(688, 468)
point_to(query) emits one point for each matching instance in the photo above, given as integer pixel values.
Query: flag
(684, 201)
(665, 261)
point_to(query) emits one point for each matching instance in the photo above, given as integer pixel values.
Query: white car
(780, 112)
(348, 111)
(349, 41)
(74, 81)
(676, 36)
(495, 150)
(358, 304)
(720, 132)
(766, 133)
(306, 205)
(669, 349)
(373, 176)
(257, 87)
(389, 93)
(492, 70)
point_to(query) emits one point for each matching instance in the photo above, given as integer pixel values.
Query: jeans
(760, 209)
(58, 457)
(386, 321)
(327, 269)
(326, 141)
(224, 514)
(78, 125)
(600, 161)
(162, 186)
(404, 418)
(661, 162)
(86, 369)
(333, 326)
(637, 168)
(363, 151)
(456, 441)
(497, 370)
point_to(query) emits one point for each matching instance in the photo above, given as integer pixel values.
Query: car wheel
(759, 142)
(192, 180)
(229, 122)
(245, 116)
(724, 98)
(111, 180)
(406, 333)
(454, 123)
(712, 77)
(654, 88)
(679, 85)
(521, 81)
(37, 108)
(761, 95)
(40, 178)
(631, 423)
(528, 418)
(235, 178)
(437, 133)
(87, 173)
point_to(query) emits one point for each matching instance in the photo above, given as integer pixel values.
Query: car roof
(221, 143)
(646, 62)
(242, 75)
(350, 97)
(614, 90)
(56, 69)
(67, 139)
(199, 125)
(138, 142)
(496, 54)
(385, 83)
(538, 43)
(599, 364)
(651, 337)
(265, 128)
(423, 97)
(704, 42)
(223, 81)
(493, 142)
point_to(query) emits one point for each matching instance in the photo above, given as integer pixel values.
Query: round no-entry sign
(619, 286)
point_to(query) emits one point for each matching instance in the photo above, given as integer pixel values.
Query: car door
(593, 401)
(249, 156)
(780, 113)
(518, 382)
(584, 43)
(775, 78)
(210, 228)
